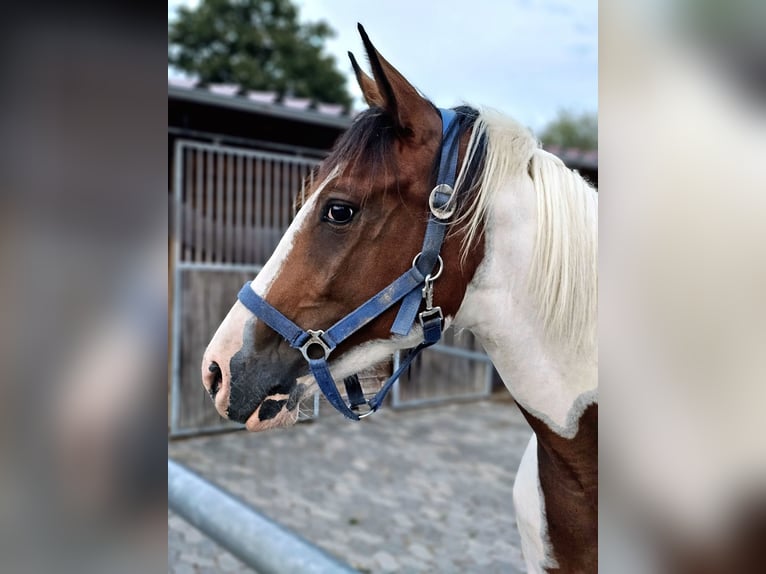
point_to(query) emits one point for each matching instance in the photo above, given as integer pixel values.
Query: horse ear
(367, 84)
(411, 112)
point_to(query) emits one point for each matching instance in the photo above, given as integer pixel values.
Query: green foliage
(258, 45)
(572, 130)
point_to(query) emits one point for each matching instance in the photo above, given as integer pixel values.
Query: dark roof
(224, 95)
(304, 111)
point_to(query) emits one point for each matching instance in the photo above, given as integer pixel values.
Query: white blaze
(270, 271)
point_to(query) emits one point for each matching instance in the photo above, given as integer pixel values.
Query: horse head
(359, 228)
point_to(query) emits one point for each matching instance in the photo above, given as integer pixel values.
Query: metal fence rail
(263, 545)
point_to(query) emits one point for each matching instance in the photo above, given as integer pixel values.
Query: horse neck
(551, 382)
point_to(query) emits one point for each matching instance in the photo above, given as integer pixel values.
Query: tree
(572, 130)
(258, 45)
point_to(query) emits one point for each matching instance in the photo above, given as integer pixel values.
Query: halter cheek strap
(410, 288)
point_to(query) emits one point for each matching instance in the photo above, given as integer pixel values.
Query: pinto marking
(542, 372)
(530, 510)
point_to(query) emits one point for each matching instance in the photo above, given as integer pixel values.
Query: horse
(378, 258)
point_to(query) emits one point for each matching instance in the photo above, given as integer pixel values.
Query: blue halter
(410, 288)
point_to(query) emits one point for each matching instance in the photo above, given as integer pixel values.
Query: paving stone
(182, 568)
(411, 566)
(403, 521)
(386, 562)
(367, 537)
(192, 536)
(175, 522)
(421, 552)
(197, 560)
(227, 563)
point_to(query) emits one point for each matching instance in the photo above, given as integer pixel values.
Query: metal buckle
(428, 314)
(446, 210)
(315, 338)
(364, 414)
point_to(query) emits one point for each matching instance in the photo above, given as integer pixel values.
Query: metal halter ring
(366, 413)
(446, 210)
(431, 276)
(315, 339)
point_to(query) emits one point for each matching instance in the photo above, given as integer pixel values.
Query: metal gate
(230, 208)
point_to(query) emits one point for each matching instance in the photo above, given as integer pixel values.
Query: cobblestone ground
(410, 491)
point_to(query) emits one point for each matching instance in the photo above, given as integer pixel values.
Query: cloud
(518, 57)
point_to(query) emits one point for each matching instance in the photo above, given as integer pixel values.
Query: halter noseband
(316, 345)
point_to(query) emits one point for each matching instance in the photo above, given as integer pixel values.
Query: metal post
(175, 381)
(262, 544)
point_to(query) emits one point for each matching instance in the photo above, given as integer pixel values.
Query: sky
(527, 58)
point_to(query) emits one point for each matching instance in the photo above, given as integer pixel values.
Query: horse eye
(339, 214)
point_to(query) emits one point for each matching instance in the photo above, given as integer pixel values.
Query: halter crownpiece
(413, 286)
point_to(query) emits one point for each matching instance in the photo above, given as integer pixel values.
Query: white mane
(563, 275)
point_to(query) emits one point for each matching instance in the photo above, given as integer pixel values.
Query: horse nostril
(217, 379)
